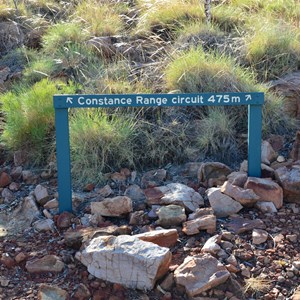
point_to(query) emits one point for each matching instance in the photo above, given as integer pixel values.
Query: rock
(171, 215)
(177, 194)
(232, 260)
(152, 214)
(168, 282)
(259, 236)
(289, 179)
(75, 238)
(213, 173)
(212, 246)
(19, 158)
(51, 292)
(266, 189)
(276, 141)
(278, 237)
(7, 261)
(292, 237)
(11, 36)
(222, 205)
(20, 257)
(64, 220)
(280, 159)
(164, 237)
(207, 222)
(14, 187)
(288, 88)
(240, 225)
(295, 153)
(266, 207)
(48, 263)
(199, 274)
(237, 178)
(191, 169)
(103, 45)
(5, 179)
(7, 195)
(138, 218)
(200, 212)
(118, 178)
(136, 194)
(153, 178)
(267, 153)
(16, 173)
(43, 225)
(112, 207)
(244, 196)
(41, 194)
(51, 204)
(105, 191)
(29, 177)
(126, 260)
(82, 292)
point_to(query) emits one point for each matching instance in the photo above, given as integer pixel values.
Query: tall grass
(29, 118)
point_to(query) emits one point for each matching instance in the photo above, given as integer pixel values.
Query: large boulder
(266, 189)
(126, 260)
(201, 273)
(289, 179)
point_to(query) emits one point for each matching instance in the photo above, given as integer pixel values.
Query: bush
(273, 51)
(29, 118)
(198, 72)
(158, 16)
(100, 19)
(100, 142)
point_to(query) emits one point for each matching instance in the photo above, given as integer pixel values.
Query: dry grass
(257, 284)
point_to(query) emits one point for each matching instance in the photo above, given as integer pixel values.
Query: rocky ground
(198, 231)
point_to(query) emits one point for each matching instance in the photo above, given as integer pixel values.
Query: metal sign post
(62, 103)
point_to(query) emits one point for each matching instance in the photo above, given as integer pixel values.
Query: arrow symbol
(248, 97)
(69, 100)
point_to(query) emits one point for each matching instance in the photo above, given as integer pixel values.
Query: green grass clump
(101, 19)
(100, 142)
(158, 16)
(61, 35)
(196, 71)
(29, 118)
(273, 51)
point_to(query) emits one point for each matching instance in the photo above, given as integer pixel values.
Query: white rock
(211, 245)
(51, 204)
(199, 274)
(112, 207)
(126, 260)
(180, 194)
(222, 205)
(266, 207)
(259, 236)
(41, 194)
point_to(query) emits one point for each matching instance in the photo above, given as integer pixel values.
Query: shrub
(100, 142)
(273, 50)
(100, 19)
(29, 116)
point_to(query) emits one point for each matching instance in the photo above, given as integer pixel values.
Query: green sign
(62, 103)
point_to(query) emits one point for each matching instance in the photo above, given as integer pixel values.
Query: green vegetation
(145, 46)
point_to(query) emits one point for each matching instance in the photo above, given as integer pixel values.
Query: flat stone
(171, 215)
(222, 204)
(41, 194)
(259, 236)
(164, 237)
(201, 273)
(240, 225)
(126, 260)
(266, 189)
(246, 197)
(48, 263)
(266, 207)
(105, 191)
(200, 212)
(43, 225)
(112, 207)
(51, 204)
(206, 222)
(289, 179)
(51, 292)
(138, 218)
(212, 245)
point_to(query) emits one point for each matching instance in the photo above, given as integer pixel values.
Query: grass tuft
(257, 284)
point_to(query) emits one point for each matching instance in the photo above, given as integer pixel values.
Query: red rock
(5, 179)
(118, 178)
(82, 292)
(163, 238)
(126, 172)
(7, 260)
(153, 195)
(89, 187)
(20, 257)
(49, 292)
(48, 263)
(64, 220)
(153, 178)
